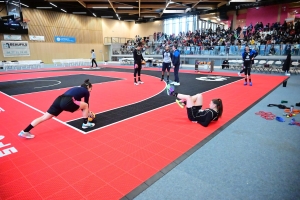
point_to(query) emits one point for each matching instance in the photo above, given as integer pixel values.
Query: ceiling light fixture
(79, 13)
(100, 7)
(125, 7)
(53, 4)
(94, 15)
(24, 5)
(63, 10)
(44, 7)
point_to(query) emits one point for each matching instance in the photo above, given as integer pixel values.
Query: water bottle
(291, 109)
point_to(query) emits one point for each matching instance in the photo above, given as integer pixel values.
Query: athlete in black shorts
(194, 107)
(248, 56)
(69, 101)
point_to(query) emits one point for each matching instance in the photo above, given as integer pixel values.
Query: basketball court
(140, 132)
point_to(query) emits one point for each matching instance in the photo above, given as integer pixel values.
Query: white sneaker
(27, 135)
(88, 125)
(135, 83)
(239, 73)
(287, 74)
(176, 84)
(140, 82)
(172, 82)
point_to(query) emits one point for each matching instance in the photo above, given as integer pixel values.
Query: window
(182, 24)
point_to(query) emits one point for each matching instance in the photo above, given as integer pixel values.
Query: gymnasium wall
(87, 31)
(146, 29)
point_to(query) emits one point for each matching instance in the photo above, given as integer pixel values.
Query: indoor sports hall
(143, 146)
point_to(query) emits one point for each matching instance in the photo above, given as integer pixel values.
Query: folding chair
(269, 66)
(277, 66)
(260, 65)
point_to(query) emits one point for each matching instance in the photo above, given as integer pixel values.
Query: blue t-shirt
(78, 93)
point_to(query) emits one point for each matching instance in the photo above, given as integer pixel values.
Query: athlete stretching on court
(194, 107)
(70, 101)
(248, 57)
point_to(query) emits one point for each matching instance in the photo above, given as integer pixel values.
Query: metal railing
(263, 50)
(120, 40)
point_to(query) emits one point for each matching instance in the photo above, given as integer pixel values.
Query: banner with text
(12, 37)
(65, 39)
(15, 48)
(36, 38)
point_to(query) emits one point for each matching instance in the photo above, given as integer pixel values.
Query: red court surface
(62, 163)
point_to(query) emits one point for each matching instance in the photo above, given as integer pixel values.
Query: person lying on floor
(194, 107)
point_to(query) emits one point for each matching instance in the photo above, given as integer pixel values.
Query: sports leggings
(138, 69)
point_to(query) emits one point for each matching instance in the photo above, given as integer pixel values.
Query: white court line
(42, 77)
(42, 112)
(59, 82)
(64, 88)
(149, 110)
(126, 104)
(121, 79)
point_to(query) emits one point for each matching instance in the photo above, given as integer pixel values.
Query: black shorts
(166, 66)
(192, 113)
(62, 103)
(247, 70)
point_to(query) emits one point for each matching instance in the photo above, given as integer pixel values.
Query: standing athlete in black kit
(248, 57)
(138, 57)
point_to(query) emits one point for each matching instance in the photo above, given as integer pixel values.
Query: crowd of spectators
(286, 34)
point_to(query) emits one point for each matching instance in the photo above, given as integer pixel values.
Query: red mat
(108, 163)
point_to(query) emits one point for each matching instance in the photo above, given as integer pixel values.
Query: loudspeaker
(223, 16)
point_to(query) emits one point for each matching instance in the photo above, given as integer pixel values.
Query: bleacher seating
(21, 64)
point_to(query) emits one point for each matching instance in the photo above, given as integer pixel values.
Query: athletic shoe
(167, 81)
(27, 135)
(239, 73)
(250, 84)
(172, 82)
(140, 82)
(180, 104)
(287, 74)
(135, 83)
(161, 79)
(170, 89)
(177, 84)
(245, 83)
(88, 125)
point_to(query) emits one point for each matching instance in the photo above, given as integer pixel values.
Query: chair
(254, 66)
(295, 67)
(260, 65)
(277, 66)
(269, 67)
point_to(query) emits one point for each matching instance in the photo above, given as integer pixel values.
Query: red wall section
(267, 14)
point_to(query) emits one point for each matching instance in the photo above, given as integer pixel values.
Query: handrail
(263, 50)
(120, 40)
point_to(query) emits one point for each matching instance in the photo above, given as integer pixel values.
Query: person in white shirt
(93, 57)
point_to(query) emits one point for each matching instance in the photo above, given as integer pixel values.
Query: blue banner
(65, 39)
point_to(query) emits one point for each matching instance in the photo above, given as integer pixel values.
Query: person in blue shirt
(248, 57)
(70, 101)
(176, 64)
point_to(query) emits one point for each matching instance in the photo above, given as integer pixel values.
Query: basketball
(91, 116)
